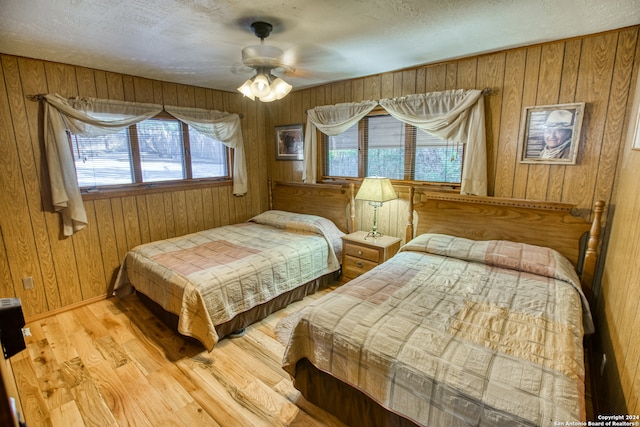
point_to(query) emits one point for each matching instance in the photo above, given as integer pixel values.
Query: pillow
(293, 221)
(296, 222)
(523, 257)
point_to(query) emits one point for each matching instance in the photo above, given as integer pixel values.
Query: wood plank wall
(618, 313)
(68, 271)
(592, 69)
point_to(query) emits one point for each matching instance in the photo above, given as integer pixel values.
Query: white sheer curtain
(456, 115)
(330, 120)
(60, 115)
(224, 127)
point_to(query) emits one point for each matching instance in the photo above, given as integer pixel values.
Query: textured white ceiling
(197, 42)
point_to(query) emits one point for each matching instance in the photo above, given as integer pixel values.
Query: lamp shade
(376, 189)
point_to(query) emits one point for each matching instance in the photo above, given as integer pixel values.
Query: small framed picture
(635, 144)
(289, 142)
(550, 134)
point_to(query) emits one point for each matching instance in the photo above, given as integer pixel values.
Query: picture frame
(635, 143)
(550, 134)
(289, 140)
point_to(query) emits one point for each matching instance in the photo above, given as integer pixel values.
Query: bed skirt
(351, 406)
(250, 316)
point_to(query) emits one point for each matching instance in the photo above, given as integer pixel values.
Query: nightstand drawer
(358, 251)
(353, 267)
(361, 253)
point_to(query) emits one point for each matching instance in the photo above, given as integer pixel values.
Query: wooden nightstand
(360, 255)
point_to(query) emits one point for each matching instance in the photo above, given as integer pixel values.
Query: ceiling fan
(264, 59)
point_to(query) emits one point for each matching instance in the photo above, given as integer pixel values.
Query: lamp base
(374, 230)
(373, 233)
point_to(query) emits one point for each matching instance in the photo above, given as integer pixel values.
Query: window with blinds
(385, 141)
(342, 153)
(103, 160)
(155, 150)
(382, 146)
(437, 160)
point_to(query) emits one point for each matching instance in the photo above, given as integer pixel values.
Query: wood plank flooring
(112, 363)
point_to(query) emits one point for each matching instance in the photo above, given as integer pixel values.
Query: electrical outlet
(604, 362)
(27, 282)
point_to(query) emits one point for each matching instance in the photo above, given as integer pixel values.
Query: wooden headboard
(335, 202)
(547, 224)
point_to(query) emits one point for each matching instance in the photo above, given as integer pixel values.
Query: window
(161, 149)
(155, 150)
(383, 146)
(342, 153)
(103, 160)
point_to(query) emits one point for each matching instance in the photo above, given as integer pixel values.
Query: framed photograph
(635, 144)
(550, 134)
(289, 142)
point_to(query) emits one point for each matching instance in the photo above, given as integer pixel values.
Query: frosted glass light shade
(265, 87)
(260, 86)
(245, 89)
(280, 88)
(269, 98)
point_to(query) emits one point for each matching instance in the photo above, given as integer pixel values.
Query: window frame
(138, 186)
(410, 146)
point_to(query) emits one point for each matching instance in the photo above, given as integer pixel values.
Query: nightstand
(360, 255)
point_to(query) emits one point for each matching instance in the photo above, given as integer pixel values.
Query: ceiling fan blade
(316, 61)
(319, 57)
(303, 64)
(240, 68)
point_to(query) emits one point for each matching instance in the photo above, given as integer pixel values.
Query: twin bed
(215, 282)
(478, 320)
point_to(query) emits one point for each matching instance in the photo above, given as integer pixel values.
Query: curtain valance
(85, 117)
(330, 120)
(224, 127)
(456, 115)
(92, 117)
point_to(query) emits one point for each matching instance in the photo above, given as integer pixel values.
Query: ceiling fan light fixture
(264, 59)
(266, 87)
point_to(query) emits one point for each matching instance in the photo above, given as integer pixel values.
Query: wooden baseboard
(65, 308)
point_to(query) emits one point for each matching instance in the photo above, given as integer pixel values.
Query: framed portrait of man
(550, 134)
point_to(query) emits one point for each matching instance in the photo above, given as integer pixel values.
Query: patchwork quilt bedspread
(208, 277)
(455, 332)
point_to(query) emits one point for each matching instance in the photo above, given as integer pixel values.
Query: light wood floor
(112, 363)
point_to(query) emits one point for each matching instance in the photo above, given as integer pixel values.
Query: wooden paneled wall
(618, 310)
(592, 69)
(68, 271)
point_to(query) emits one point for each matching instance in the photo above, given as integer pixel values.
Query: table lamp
(376, 190)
